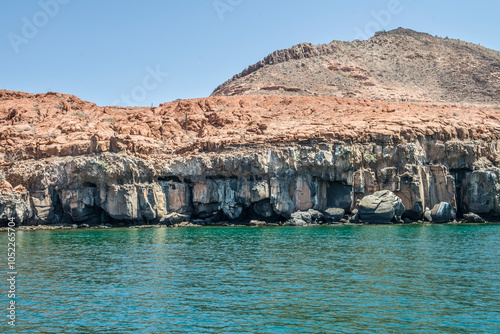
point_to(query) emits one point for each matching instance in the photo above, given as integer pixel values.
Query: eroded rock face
(263, 209)
(14, 203)
(281, 200)
(121, 203)
(81, 204)
(483, 191)
(382, 207)
(44, 207)
(261, 185)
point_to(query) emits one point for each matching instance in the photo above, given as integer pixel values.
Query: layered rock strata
(264, 184)
(244, 158)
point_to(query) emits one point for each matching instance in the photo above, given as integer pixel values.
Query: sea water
(349, 279)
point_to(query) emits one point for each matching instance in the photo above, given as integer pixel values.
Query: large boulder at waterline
(381, 207)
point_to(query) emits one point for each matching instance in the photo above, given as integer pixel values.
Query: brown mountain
(401, 64)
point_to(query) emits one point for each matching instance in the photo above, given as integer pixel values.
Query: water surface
(351, 279)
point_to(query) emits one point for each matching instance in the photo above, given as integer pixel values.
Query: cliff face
(261, 184)
(401, 64)
(239, 158)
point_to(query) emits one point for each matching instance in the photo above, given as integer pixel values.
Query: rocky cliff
(257, 184)
(246, 158)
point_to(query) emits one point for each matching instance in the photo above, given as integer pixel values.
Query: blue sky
(151, 51)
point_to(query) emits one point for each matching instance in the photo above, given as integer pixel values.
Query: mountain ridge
(400, 64)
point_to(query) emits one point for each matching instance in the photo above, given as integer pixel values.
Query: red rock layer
(53, 124)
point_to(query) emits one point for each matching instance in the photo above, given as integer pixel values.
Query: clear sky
(143, 52)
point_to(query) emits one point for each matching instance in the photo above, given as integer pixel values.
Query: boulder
(185, 224)
(198, 222)
(175, 218)
(308, 216)
(353, 217)
(381, 208)
(440, 213)
(295, 222)
(257, 223)
(334, 214)
(302, 215)
(315, 215)
(473, 218)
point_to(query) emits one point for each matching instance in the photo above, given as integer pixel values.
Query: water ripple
(352, 279)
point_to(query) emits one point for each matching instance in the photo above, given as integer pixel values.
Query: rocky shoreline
(294, 185)
(256, 224)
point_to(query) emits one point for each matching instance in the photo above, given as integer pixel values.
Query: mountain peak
(400, 64)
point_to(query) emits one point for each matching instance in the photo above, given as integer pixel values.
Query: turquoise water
(351, 279)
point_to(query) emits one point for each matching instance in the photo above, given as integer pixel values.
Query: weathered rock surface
(334, 214)
(397, 64)
(473, 218)
(310, 216)
(50, 125)
(14, 203)
(258, 185)
(440, 213)
(382, 207)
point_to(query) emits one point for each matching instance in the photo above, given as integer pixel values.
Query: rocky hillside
(290, 159)
(399, 65)
(53, 124)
